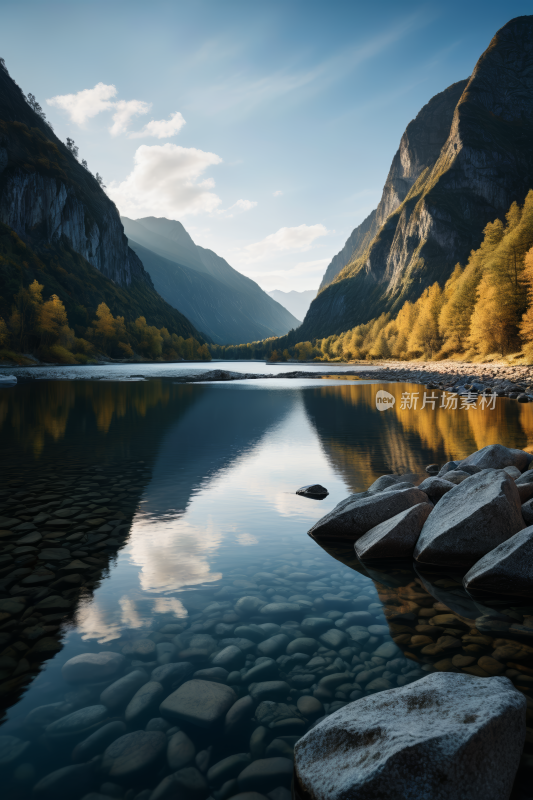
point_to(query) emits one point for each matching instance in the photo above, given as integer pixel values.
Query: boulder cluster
(475, 515)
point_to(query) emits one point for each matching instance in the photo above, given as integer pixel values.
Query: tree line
(485, 309)
(41, 327)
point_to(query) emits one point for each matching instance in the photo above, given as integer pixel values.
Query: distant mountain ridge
(461, 163)
(295, 302)
(221, 302)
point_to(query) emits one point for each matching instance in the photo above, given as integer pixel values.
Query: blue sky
(267, 128)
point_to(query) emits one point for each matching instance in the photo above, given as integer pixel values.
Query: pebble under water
(151, 539)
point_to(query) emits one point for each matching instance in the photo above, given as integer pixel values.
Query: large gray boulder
(470, 520)
(496, 456)
(356, 515)
(435, 488)
(396, 537)
(508, 569)
(448, 736)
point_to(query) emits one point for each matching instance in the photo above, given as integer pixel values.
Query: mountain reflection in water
(200, 482)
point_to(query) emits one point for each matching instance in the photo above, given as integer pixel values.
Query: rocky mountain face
(461, 163)
(221, 302)
(58, 210)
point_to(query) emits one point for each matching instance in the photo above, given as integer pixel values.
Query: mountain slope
(232, 309)
(485, 163)
(60, 227)
(295, 302)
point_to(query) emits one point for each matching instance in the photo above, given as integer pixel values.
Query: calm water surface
(194, 489)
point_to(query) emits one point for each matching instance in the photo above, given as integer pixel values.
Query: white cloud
(125, 110)
(161, 128)
(299, 238)
(85, 104)
(239, 206)
(165, 181)
(278, 193)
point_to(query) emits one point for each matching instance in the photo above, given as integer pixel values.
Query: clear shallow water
(196, 487)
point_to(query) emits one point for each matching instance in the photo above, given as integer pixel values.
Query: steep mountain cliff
(221, 302)
(442, 189)
(53, 211)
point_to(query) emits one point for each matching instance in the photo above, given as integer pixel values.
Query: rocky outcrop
(47, 197)
(396, 537)
(507, 569)
(433, 212)
(418, 741)
(470, 520)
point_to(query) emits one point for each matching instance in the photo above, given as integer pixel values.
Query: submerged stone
(201, 703)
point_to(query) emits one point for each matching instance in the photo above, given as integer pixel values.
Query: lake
(157, 524)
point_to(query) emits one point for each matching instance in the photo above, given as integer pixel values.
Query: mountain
(58, 226)
(461, 163)
(225, 305)
(295, 302)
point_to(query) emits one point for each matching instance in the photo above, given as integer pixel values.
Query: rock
(98, 741)
(180, 751)
(143, 702)
(187, 783)
(227, 768)
(120, 692)
(278, 610)
(302, 645)
(258, 741)
(274, 646)
(269, 690)
(352, 518)
(229, 658)
(251, 796)
(71, 782)
(525, 491)
(432, 469)
(240, 712)
(496, 456)
(457, 476)
(173, 674)
(333, 638)
(266, 774)
(395, 538)
(141, 648)
(330, 682)
(508, 569)
(249, 606)
(264, 671)
(54, 554)
(310, 707)
(78, 721)
(202, 703)
(527, 512)
(418, 740)
(448, 467)
(314, 491)
(53, 603)
(44, 648)
(435, 488)
(89, 667)
(470, 520)
(314, 626)
(216, 674)
(513, 472)
(384, 482)
(11, 749)
(133, 754)
(387, 650)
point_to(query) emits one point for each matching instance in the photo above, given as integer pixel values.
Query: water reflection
(193, 489)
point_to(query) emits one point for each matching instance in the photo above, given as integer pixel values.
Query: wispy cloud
(125, 111)
(297, 239)
(85, 104)
(161, 128)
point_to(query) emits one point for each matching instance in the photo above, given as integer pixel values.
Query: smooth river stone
(77, 721)
(71, 782)
(302, 645)
(145, 700)
(141, 648)
(314, 626)
(229, 658)
(97, 742)
(187, 783)
(90, 667)
(280, 610)
(180, 751)
(120, 692)
(133, 754)
(227, 768)
(266, 774)
(202, 703)
(248, 606)
(261, 672)
(240, 711)
(216, 674)
(334, 638)
(274, 646)
(269, 690)
(251, 632)
(172, 674)
(54, 554)
(11, 748)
